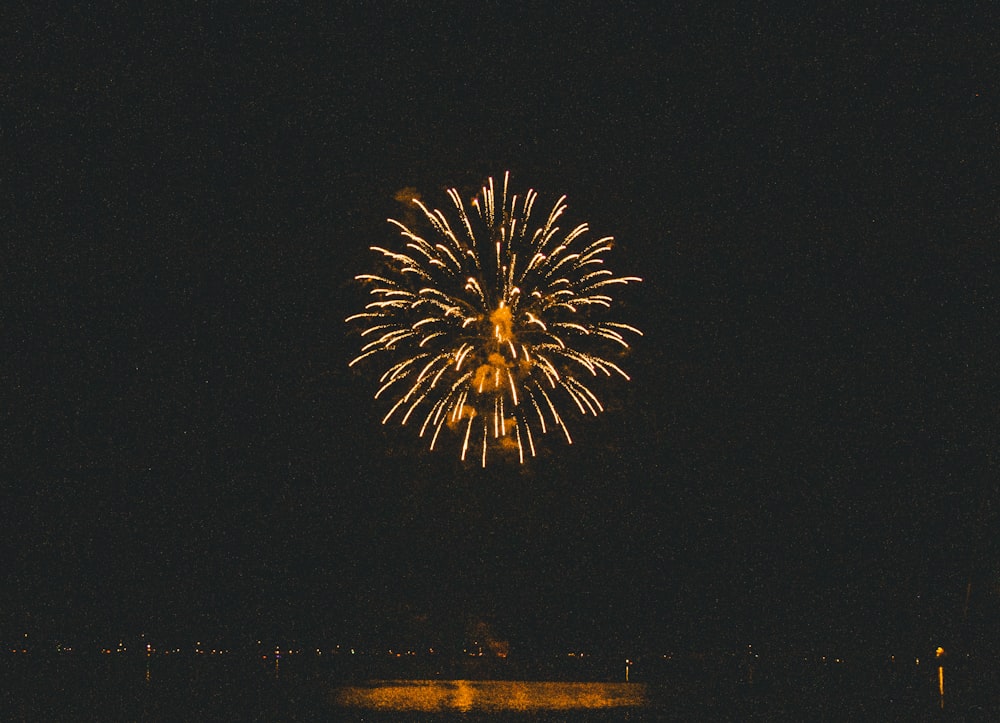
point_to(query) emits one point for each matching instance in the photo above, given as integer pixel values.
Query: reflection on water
(489, 696)
(246, 687)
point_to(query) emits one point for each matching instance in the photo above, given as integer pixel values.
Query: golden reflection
(488, 695)
(939, 653)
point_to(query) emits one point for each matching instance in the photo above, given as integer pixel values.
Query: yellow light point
(939, 654)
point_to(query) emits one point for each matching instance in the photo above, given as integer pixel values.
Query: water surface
(234, 688)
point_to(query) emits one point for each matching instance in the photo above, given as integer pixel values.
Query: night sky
(807, 454)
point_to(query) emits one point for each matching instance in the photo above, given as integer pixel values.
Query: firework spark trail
(487, 324)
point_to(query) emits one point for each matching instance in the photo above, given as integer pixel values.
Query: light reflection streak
(489, 696)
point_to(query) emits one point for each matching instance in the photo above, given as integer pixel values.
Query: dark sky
(807, 453)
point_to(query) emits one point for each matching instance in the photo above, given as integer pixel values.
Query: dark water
(237, 689)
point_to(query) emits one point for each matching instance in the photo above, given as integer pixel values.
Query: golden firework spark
(488, 326)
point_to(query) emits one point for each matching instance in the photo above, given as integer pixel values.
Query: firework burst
(489, 326)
